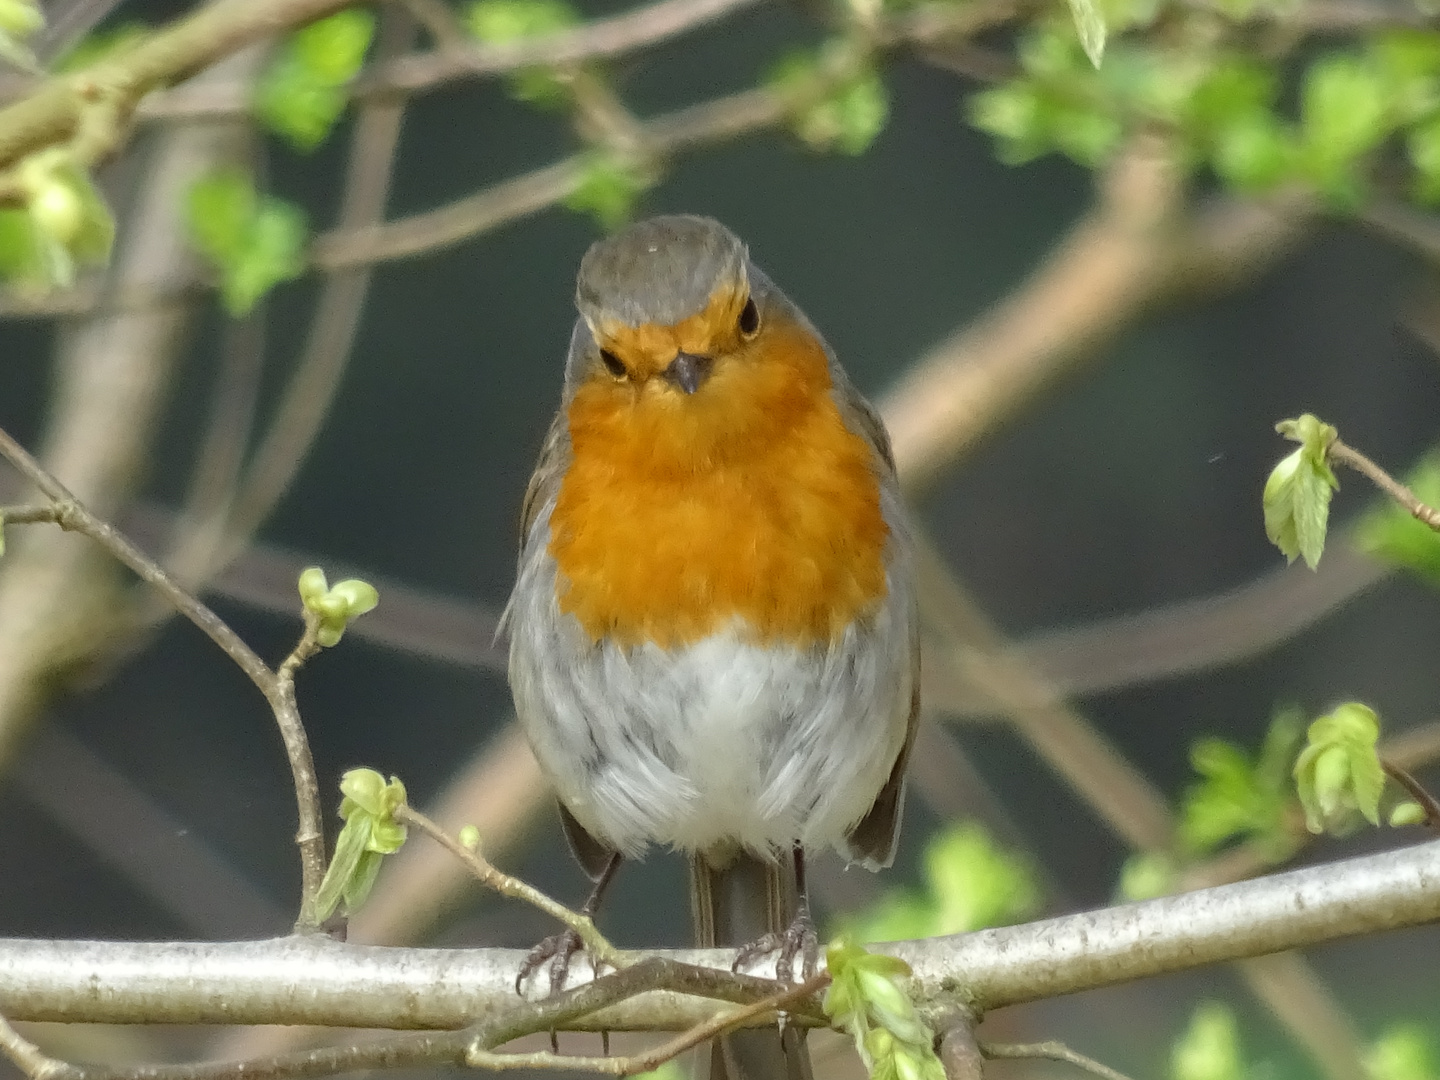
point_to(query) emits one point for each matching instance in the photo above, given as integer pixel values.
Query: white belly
(720, 742)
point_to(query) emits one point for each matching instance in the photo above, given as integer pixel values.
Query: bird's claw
(559, 950)
(799, 939)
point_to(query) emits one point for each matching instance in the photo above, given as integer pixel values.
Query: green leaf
(497, 22)
(1254, 152)
(1240, 798)
(1090, 27)
(254, 242)
(1423, 146)
(1405, 813)
(1408, 62)
(1344, 112)
(333, 49)
(1389, 532)
(970, 883)
(20, 20)
(301, 93)
(867, 998)
(1146, 875)
(65, 223)
(847, 117)
(1404, 1052)
(1297, 493)
(1210, 1047)
(608, 189)
(1338, 774)
(370, 832)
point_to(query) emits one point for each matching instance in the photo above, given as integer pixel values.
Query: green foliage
(867, 998)
(498, 22)
(970, 884)
(1237, 797)
(608, 188)
(335, 606)
(1148, 874)
(369, 834)
(847, 117)
(1354, 106)
(1407, 812)
(1338, 774)
(20, 20)
(670, 1070)
(1404, 1052)
(255, 242)
(1059, 104)
(1297, 494)
(1210, 1047)
(1389, 532)
(63, 225)
(302, 92)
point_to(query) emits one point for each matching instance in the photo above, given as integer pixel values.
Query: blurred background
(1100, 514)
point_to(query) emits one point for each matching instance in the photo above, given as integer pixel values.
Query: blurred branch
(500, 792)
(125, 828)
(54, 112)
(214, 539)
(1348, 455)
(111, 372)
(1135, 249)
(276, 686)
(314, 980)
(1051, 1051)
(1185, 637)
(655, 141)
(1416, 791)
(1115, 790)
(1066, 741)
(598, 39)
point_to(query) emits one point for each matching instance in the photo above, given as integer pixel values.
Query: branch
(278, 690)
(54, 112)
(313, 980)
(1348, 455)
(1051, 1051)
(601, 951)
(1119, 261)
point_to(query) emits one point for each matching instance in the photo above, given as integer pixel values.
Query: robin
(713, 631)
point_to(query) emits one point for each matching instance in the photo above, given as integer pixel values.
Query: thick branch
(318, 981)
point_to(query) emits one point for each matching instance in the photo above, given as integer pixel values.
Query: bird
(714, 638)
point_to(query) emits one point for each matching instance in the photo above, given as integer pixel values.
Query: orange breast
(749, 499)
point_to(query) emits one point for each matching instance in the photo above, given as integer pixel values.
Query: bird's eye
(749, 321)
(615, 365)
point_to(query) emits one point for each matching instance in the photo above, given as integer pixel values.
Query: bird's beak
(689, 371)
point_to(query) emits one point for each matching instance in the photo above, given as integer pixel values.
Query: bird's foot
(559, 950)
(798, 940)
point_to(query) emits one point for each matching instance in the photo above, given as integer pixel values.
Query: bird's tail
(734, 905)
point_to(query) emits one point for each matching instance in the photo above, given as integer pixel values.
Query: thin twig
(600, 949)
(1051, 1051)
(658, 1055)
(1348, 455)
(960, 1053)
(1416, 790)
(72, 515)
(26, 1056)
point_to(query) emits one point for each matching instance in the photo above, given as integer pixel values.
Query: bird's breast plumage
(749, 505)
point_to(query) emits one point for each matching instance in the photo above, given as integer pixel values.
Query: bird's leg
(797, 939)
(561, 948)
